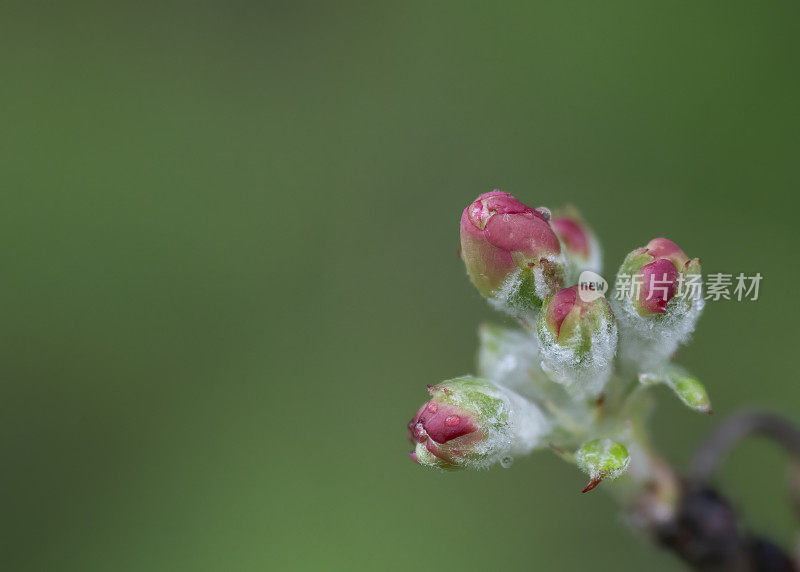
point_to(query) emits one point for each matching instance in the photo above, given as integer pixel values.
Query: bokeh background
(229, 265)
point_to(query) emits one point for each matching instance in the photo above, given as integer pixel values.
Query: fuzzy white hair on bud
(507, 297)
(648, 342)
(510, 358)
(583, 373)
(528, 424)
(517, 297)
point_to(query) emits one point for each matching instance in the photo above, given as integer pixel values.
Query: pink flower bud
(580, 245)
(572, 233)
(659, 282)
(578, 340)
(562, 303)
(567, 314)
(658, 301)
(471, 423)
(656, 271)
(510, 251)
(437, 424)
(664, 248)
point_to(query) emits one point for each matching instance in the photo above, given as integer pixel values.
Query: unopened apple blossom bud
(471, 423)
(658, 300)
(688, 388)
(581, 247)
(510, 251)
(602, 459)
(657, 272)
(578, 340)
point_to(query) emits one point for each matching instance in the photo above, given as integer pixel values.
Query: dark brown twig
(705, 531)
(736, 428)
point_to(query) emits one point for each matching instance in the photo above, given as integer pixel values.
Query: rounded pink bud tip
(500, 236)
(656, 270)
(659, 282)
(495, 202)
(559, 308)
(665, 248)
(508, 224)
(413, 455)
(573, 234)
(569, 316)
(440, 422)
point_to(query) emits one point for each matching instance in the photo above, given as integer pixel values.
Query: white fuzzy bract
(648, 342)
(583, 373)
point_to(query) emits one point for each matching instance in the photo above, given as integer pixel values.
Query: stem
(704, 529)
(734, 429)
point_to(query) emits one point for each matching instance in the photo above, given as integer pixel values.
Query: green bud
(688, 388)
(602, 459)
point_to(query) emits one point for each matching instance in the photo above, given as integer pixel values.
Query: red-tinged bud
(655, 274)
(581, 247)
(441, 422)
(658, 300)
(559, 307)
(471, 423)
(511, 253)
(568, 314)
(573, 234)
(578, 339)
(660, 248)
(659, 283)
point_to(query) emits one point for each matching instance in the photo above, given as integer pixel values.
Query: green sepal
(634, 262)
(475, 395)
(524, 296)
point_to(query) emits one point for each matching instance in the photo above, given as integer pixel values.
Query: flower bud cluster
(572, 377)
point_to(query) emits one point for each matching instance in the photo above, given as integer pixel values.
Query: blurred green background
(229, 270)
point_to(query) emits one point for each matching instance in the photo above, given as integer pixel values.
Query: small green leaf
(692, 393)
(688, 388)
(602, 459)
